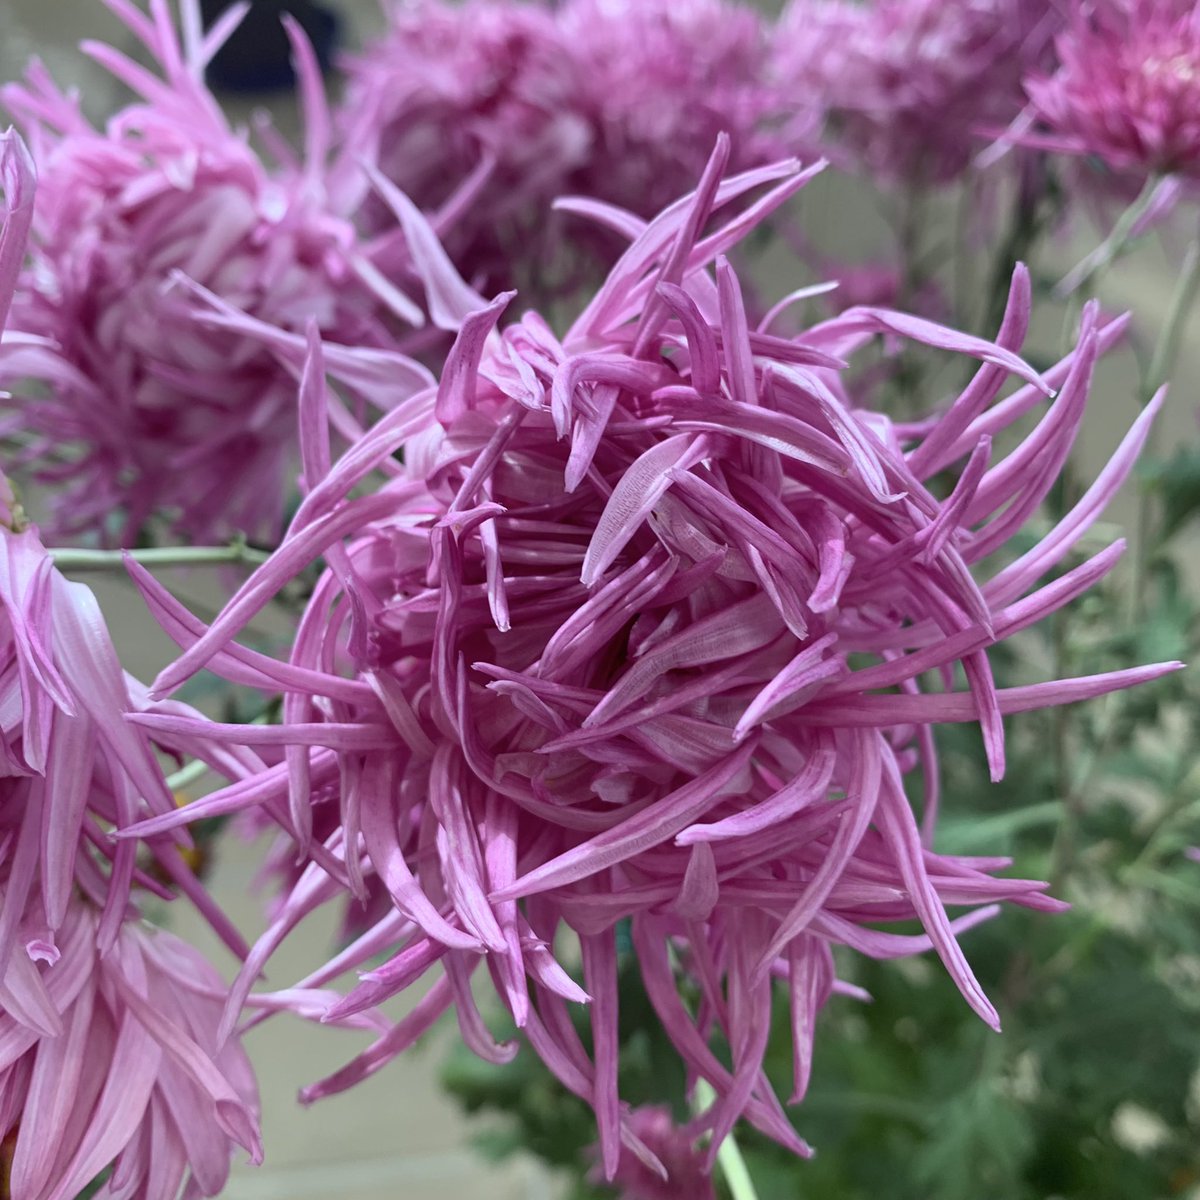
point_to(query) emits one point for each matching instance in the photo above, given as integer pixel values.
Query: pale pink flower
(644, 632)
(481, 94)
(910, 87)
(111, 1061)
(71, 766)
(108, 1051)
(151, 410)
(1126, 90)
(674, 1147)
(658, 81)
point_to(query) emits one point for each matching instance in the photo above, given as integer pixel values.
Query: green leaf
(970, 833)
(1177, 482)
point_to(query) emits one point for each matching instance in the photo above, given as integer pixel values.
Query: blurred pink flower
(481, 94)
(910, 86)
(675, 1149)
(111, 1060)
(658, 81)
(71, 766)
(1126, 89)
(151, 410)
(644, 632)
(514, 105)
(108, 1052)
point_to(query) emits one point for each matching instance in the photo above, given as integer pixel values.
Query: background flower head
(471, 108)
(486, 112)
(658, 81)
(1126, 88)
(911, 87)
(150, 410)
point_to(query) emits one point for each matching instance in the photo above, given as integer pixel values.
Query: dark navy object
(257, 58)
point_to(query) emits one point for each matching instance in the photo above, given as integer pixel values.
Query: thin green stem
(962, 282)
(1162, 364)
(729, 1156)
(70, 558)
(1166, 350)
(1062, 854)
(1029, 217)
(1113, 246)
(187, 775)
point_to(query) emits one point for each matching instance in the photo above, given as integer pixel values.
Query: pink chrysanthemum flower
(652, 630)
(482, 94)
(118, 1067)
(154, 412)
(675, 1149)
(1126, 90)
(908, 85)
(659, 80)
(70, 764)
(615, 100)
(108, 1055)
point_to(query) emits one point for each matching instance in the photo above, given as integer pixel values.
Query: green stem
(1062, 854)
(194, 771)
(187, 775)
(1162, 364)
(69, 558)
(1166, 350)
(962, 285)
(1025, 227)
(1115, 244)
(729, 1156)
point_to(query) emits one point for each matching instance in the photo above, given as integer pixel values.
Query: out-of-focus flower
(481, 94)
(909, 85)
(108, 1053)
(658, 81)
(151, 410)
(675, 1149)
(1126, 90)
(646, 632)
(117, 1067)
(516, 105)
(70, 764)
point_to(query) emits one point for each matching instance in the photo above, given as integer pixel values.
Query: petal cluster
(909, 86)
(615, 100)
(476, 99)
(151, 411)
(1126, 89)
(648, 635)
(108, 1051)
(116, 1074)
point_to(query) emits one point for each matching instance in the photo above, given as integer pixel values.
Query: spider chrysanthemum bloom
(910, 86)
(1126, 90)
(154, 412)
(481, 94)
(651, 631)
